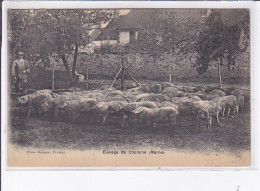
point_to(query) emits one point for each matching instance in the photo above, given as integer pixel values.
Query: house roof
(135, 19)
(94, 34)
(107, 34)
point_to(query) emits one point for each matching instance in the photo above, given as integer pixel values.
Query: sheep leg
(56, 114)
(194, 121)
(178, 120)
(71, 118)
(128, 122)
(29, 112)
(31, 108)
(123, 121)
(173, 125)
(209, 122)
(228, 110)
(125, 117)
(236, 109)
(232, 110)
(147, 124)
(217, 117)
(173, 122)
(198, 121)
(36, 112)
(223, 112)
(153, 125)
(78, 117)
(105, 118)
(74, 117)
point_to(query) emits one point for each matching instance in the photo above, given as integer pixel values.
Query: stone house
(125, 28)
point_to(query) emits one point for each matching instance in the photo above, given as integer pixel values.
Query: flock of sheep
(149, 104)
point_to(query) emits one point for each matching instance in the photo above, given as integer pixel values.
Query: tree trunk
(219, 72)
(87, 79)
(75, 62)
(66, 65)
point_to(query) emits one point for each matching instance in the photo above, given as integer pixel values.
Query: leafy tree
(42, 32)
(221, 37)
(169, 34)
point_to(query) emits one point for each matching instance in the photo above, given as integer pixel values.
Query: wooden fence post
(123, 75)
(169, 70)
(87, 79)
(53, 80)
(219, 73)
(52, 61)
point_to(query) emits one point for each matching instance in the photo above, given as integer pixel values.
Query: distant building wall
(95, 44)
(124, 37)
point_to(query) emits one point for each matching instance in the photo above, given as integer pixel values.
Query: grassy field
(233, 136)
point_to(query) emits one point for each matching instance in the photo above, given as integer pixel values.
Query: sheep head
(23, 100)
(115, 107)
(102, 106)
(138, 110)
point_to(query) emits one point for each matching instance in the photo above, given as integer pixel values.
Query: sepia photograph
(162, 87)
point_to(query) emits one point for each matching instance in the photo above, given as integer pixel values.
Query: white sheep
(128, 108)
(34, 100)
(206, 110)
(155, 115)
(108, 108)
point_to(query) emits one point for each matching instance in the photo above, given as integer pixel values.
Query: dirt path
(233, 136)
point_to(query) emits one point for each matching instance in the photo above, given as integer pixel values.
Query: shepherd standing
(20, 69)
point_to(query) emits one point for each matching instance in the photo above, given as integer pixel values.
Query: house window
(124, 37)
(132, 36)
(127, 36)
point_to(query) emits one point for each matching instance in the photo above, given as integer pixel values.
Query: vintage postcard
(161, 87)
